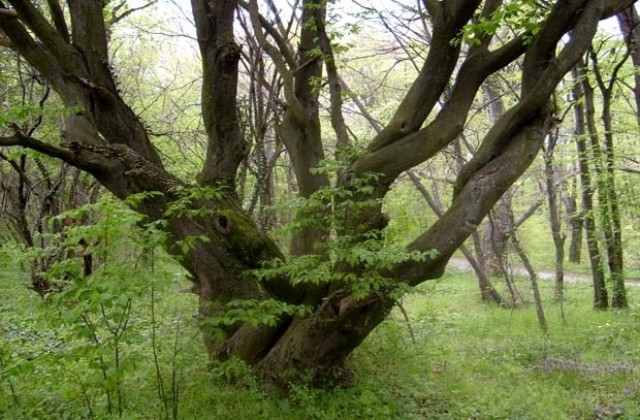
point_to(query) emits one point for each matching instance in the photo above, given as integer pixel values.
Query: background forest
(536, 315)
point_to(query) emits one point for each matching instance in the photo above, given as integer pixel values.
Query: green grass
(469, 361)
(496, 362)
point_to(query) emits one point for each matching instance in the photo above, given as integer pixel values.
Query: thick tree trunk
(320, 344)
(314, 350)
(496, 228)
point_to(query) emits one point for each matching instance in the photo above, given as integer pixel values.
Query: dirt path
(460, 263)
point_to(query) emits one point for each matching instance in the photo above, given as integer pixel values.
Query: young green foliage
(518, 17)
(352, 255)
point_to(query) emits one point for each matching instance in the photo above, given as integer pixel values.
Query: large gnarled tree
(103, 136)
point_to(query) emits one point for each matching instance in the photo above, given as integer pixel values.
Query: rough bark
(226, 144)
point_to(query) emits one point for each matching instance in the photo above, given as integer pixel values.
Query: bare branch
(281, 42)
(538, 83)
(106, 162)
(434, 76)
(58, 19)
(19, 139)
(115, 17)
(362, 108)
(34, 19)
(277, 57)
(8, 13)
(335, 87)
(614, 6)
(416, 147)
(21, 40)
(630, 170)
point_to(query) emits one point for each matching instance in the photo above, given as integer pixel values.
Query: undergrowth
(467, 360)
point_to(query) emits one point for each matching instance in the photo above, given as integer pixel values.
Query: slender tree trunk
(494, 240)
(554, 215)
(262, 100)
(629, 23)
(533, 276)
(604, 167)
(600, 298)
(575, 220)
(615, 246)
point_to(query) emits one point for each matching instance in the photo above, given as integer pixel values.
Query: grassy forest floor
(466, 361)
